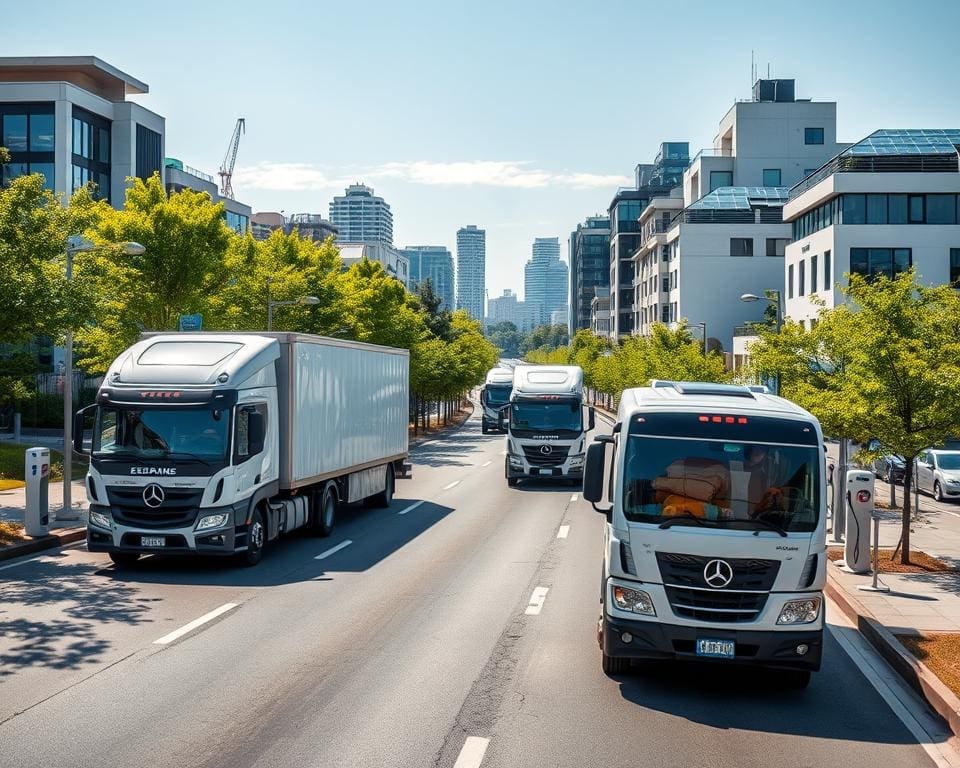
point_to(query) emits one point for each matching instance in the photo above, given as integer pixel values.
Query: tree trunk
(905, 522)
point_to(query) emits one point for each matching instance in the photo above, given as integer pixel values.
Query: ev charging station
(859, 502)
(37, 476)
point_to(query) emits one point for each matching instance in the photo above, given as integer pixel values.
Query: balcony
(878, 164)
(748, 329)
(712, 152)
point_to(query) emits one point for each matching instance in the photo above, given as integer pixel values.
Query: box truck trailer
(217, 443)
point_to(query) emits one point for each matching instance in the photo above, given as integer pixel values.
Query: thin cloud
(298, 177)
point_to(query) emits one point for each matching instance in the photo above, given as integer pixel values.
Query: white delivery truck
(545, 424)
(494, 395)
(216, 443)
(715, 542)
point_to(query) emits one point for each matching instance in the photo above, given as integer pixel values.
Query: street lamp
(302, 301)
(751, 297)
(703, 327)
(77, 244)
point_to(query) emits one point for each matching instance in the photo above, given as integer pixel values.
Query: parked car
(938, 473)
(889, 467)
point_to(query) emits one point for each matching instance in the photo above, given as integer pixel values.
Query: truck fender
(259, 496)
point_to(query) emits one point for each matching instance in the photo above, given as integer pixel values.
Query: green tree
(506, 337)
(438, 320)
(378, 309)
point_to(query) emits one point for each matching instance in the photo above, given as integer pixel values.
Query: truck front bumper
(227, 539)
(571, 469)
(767, 648)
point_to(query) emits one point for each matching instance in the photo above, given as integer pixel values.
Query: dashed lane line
(411, 507)
(454, 484)
(333, 550)
(474, 748)
(574, 497)
(178, 633)
(563, 531)
(536, 601)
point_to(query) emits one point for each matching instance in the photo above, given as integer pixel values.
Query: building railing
(712, 152)
(761, 215)
(878, 164)
(748, 329)
(190, 170)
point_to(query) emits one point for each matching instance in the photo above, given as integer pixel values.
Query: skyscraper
(471, 270)
(545, 279)
(433, 262)
(361, 217)
(589, 268)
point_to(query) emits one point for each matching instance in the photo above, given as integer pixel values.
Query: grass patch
(10, 533)
(12, 457)
(920, 562)
(9, 485)
(940, 652)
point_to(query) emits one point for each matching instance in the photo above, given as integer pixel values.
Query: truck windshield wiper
(763, 524)
(188, 455)
(682, 519)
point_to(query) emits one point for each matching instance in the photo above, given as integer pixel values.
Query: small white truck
(715, 542)
(494, 395)
(216, 443)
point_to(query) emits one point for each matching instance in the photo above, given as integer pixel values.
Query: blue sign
(191, 322)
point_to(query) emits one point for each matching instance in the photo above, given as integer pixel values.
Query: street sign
(191, 322)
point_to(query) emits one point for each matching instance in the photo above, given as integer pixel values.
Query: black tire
(483, 428)
(938, 491)
(124, 559)
(385, 498)
(797, 679)
(326, 512)
(256, 538)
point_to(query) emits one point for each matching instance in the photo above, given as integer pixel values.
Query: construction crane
(230, 159)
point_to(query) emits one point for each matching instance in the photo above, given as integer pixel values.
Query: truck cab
(494, 395)
(546, 423)
(715, 541)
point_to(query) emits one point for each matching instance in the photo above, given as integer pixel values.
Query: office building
(888, 203)
(69, 118)
(309, 225)
(600, 311)
(362, 217)
(179, 176)
(509, 309)
(471, 270)
(395, 262)
(433, 263)
(589, 268)
(545, 280)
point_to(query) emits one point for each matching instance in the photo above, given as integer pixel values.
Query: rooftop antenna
(768, 70)
(753, 69)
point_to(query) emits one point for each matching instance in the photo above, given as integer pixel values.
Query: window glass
(813, 135)
(41, 133)
(103, 148)
(103, 186)
(47, 169)
(720, 179)
(859, 261)
(897, 209)
(790, 282)
(12, 171)
(801, 272)
(771, 177)
(813, 274)
(15, 133)
(876, 209)
(741, 246)
(77, 145)
(881, 262)
(902, 260)
(828, 214)
(776, 246)
(941, 209)
(854, 209)
(916, 206)
(827, 277)
(954, 265)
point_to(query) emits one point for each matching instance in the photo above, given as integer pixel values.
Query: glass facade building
(545, 280)
(433, 263)
(589, 268)
(362, 217)
(471, 270)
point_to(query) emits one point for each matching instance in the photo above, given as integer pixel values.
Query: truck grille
(691, 596)
(179, 507)
(555, 458)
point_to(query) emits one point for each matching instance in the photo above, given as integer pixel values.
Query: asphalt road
(415, 644)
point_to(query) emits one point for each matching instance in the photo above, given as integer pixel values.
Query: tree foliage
(506, 338)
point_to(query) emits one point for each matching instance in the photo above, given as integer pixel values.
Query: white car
(938, 473)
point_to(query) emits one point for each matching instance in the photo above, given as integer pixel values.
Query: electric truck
(216, 444)
(546, 422)
(715, 541)
(494, 395)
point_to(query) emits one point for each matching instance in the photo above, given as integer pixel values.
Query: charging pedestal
(36, 466)
(859, 503)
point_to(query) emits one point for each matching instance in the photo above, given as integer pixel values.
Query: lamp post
(302, 301)
(751, 297)
(77, 244)
(703, 327)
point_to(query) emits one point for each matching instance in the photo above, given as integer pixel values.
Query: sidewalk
(12, 509)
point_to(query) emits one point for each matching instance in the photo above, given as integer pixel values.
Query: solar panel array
(938, 141)
(739, 198)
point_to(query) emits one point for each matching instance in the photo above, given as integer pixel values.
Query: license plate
(152, 541)
(717, 649)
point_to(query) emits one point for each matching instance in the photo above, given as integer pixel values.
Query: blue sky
(521, 117)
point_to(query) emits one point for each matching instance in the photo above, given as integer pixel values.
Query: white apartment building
(471, 270)
(885, 204)
(68, 118)
(395, 263)
(600, 311)
(362, 217)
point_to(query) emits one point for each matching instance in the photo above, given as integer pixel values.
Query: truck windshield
(730, 483)
(561, 416)
(497, 396)
(157, 432)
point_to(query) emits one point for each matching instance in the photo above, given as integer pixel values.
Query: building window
(813, 135)
(854, 209)
(813, 274)
(149, 152)
(665, 313)
(720, 179)
(941, 209)
(771, 177)
(236, 221)
(876, 209)
(666, 283)
(741, 246)
(896, 209)
(880, 262)
(801, 283)
(790, 282)
(777, 246)
(827, 277)
(954, 265)
(90, 160)
(915, 209)
(673, 279)
(27, 131)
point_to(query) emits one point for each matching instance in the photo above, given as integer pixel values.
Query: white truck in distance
(215, 444)
(715, 542)
(546, 433)
(494, 396)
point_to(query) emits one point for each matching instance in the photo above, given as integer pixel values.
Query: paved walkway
(13, 504)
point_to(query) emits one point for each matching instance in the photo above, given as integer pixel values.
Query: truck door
(249, 437)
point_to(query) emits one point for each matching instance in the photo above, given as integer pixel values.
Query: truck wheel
(798, 679)
(483, 428)
(256, 538)
(614, 665)
(124, 559)
(385, 497)
(327, 512)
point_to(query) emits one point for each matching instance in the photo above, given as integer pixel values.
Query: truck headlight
(576, 460)
(212, 521)
(799, 611)
(100, 519)
(633, 600)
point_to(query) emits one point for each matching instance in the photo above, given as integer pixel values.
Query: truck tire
(326, 511)
(124, 559)
(385, 498)
(483, 428)
(256, 538)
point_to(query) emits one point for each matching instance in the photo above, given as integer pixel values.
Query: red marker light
(729, 420)
(703, 418)
(716, 419)
(742, 420)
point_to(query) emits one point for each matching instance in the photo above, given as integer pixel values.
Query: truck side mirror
(593, 473)
(483, 397)
(79, 422)
(592, 423)
(256, 431)
(501, 417)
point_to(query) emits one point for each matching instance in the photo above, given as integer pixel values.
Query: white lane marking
(536, 601)
(332, 550)
(454, 484)
(892, 690)
(472, 753)
(574, 497)
(486, 463)
(411, 507)
(955, 514)
(563, 531)
(45, 555)
(195, 623)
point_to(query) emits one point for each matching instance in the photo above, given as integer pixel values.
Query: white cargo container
(216, 443)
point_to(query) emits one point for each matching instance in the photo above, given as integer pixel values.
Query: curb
(416, 442)
(916, 674)
(69, 536)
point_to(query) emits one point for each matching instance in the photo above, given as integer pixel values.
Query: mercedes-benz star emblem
(718, 573)
(546, 450)
(153, 495)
